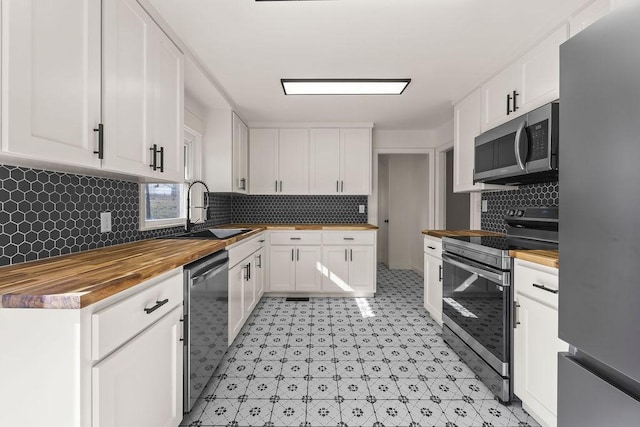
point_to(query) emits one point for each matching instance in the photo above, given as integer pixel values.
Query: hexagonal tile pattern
(498, 202)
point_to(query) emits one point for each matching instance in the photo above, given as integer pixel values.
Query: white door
(51, 72)
(293, 161)
(249, 298)
(308, 265)
(263, 161)
(433, 287)
(168, 104)
(540, 71)
(282, 268)
(128, 89)
(236, 300)
(140, 385)
(259, 273)
(324, 161)
(497, 98)
(536, 347)
(355, 163)
(335, 269)
(240, 155)
(362, 268)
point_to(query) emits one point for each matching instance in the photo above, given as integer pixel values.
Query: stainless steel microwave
(521, 151)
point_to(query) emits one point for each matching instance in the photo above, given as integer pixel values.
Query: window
(163, 205)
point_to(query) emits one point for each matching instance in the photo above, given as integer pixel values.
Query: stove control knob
(510, 212)
(519, 213)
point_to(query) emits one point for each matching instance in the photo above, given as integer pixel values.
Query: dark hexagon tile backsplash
(498, 202)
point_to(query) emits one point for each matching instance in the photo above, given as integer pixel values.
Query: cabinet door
(433, 287)
(51, 76)
(494, 98)
(240, 155)
(335, 269)
(128, 87)
(536, 347)
(236, 300)
(282, 268)
(263, 161)
(168, 114)
(324, 161)
(308, 266)
(540, 71)
(293, 161)
(355, 163)
(140, 384)
(362, 268)
(259, 273)
(588, 16)
(249, 285)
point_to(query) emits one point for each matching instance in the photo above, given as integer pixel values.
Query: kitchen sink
(211, 233)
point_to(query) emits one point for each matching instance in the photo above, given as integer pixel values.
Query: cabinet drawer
(536, 281)
(348, 238)
(433, 246)
(244, 248)
(296, 238)
(119, 322)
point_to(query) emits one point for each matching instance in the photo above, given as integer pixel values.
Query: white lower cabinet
(536, 342)
(236, 300)
(140, 383)
(433, 277)
(348, 262)
(295, 268)
(259, 273)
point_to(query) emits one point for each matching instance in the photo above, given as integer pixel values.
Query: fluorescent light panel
(344, 86)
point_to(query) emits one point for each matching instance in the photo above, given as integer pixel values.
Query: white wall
(383, 211)
(408, 209)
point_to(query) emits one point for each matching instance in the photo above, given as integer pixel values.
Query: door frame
(372, 207)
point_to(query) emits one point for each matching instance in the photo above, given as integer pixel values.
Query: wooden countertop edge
(65, 270)
(542, 257)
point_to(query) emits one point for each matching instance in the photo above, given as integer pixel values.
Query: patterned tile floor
(348, 362)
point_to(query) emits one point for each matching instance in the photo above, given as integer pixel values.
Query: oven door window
(479, 306)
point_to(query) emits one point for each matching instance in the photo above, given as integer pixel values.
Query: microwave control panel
(539, 140)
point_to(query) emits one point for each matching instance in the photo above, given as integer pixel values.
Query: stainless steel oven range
(477, 293)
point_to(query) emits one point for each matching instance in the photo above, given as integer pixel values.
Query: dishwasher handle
(195, 281)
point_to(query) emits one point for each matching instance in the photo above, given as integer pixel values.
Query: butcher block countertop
(544, 257)
(459, 233)
(77, 280)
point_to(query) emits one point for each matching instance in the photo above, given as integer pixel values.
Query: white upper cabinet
(588, 16)
(340, 161)
(279, 161)
(528, 83)
(240, 170)
(142, 98)
(51, 80)
(466, 126)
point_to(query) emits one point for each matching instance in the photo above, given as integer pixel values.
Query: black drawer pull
(157, 306)
(544, 288)
(348, 238)
(295, 238)
(432, 247)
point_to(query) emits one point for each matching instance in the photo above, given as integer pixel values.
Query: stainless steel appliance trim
(496, 364)
(500, 277)
(518, 142)
(493, 257)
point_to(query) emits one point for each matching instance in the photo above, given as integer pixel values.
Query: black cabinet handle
(154, 163)
(295, 238)
(346, 255)
(276, 186)
(544, 288)
(508, 104)
(338, 186)
(515, 100)
(281, 186)
(162, 159)
(432, 247)
(100, 130)
(157, 306)
(440, 273)
(348, 238)
(297, 254)
(342, 186)
(260, 261)
(351, 255)
(292, 255)
(249, 267)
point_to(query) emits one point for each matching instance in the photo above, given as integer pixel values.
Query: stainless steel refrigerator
(599, 165)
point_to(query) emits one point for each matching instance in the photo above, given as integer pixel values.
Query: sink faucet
(205, 207)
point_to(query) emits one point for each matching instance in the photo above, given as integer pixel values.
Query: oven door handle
(500, 277)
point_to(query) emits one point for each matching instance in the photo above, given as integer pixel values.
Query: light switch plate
(361, 208)
(105, 222)
(485, 208)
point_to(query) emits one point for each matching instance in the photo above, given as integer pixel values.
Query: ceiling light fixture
(344, 86)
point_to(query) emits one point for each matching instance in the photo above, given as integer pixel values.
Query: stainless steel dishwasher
(206, 314)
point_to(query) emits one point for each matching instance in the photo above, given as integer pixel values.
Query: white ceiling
(445, 46)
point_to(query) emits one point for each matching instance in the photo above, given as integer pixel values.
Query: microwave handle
(521, 145)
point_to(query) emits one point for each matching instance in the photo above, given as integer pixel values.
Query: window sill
(156, 225)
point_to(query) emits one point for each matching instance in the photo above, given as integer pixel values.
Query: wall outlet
(485, 207)
(105, 222)
(361, 209)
